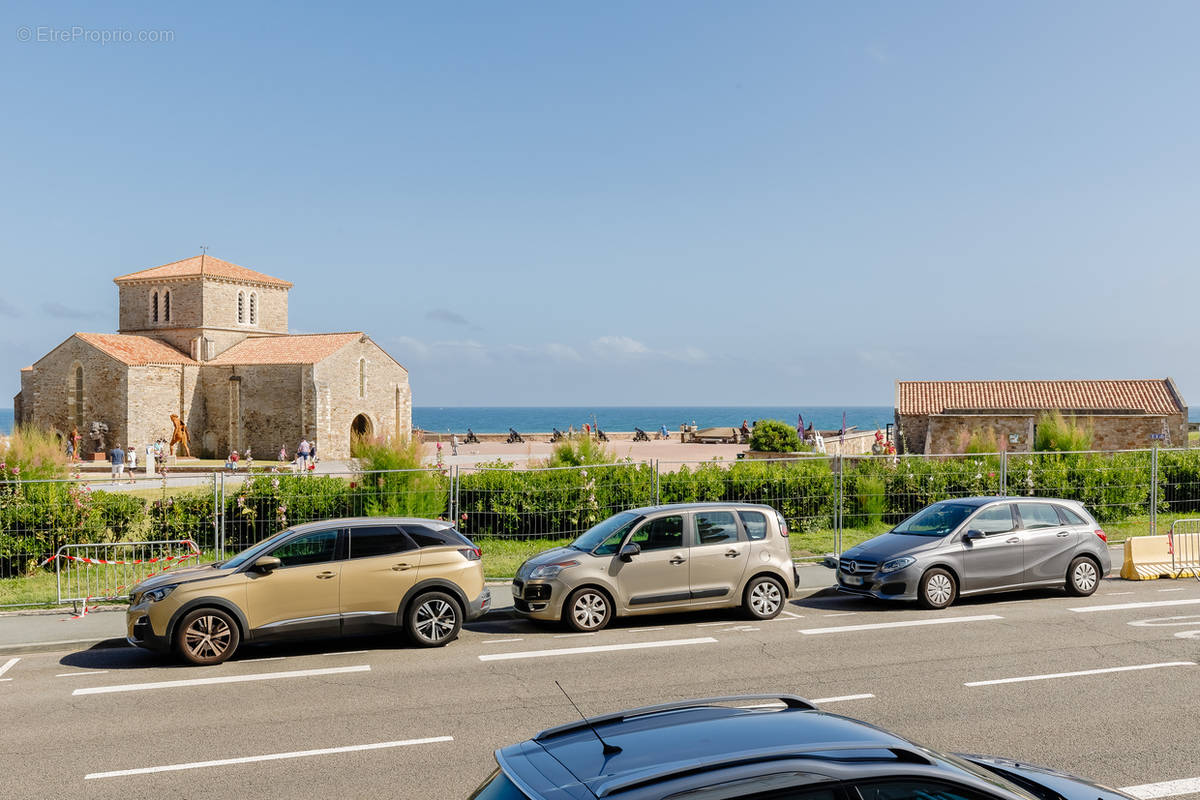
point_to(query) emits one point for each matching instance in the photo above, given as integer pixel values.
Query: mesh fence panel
(1114, 486)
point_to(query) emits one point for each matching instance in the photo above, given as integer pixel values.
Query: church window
(241, 308)
(154, 307)
(78, 397)
(166, 315)
(362, 377)
(254, 308)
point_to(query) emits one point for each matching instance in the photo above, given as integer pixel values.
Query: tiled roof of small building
(295, 349)
(196, 266)
(136, 351)
(935, 397)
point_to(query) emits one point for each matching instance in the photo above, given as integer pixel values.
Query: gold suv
(338, 577)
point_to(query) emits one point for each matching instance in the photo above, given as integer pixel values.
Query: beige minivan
(662, 559)
(330, 578)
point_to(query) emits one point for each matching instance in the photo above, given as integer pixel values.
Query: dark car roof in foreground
(681, 741)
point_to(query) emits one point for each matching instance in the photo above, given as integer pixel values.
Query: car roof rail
(662, 772)
(790, 701)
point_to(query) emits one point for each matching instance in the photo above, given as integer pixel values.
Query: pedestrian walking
(150, 465)
(131, 460)
(116, 457)
(70, 450)
(454, 443)
(75, 441)
(302, 453)
(283, 454)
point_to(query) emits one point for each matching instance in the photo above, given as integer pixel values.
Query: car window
(664, 533)
(311, 548)
(938, 519)
(716, 527)
(997, 519)
(780, 786)
(378, 541)
(1038, 515)
(498, 787)
(916, 789)
(431, 536)
(755, 523)
(1069, 517)
(610, 545)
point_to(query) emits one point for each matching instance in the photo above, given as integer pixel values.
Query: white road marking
(1171, 590)
(599, 648)
(345, 653)
(256, 660)
(1123, 606)
(843, 614)
(8, 665)
(739, 629)
(792, 615)
(1189, 619)
(710, 624)
(500, 641)
(262, 676)
(1148, 791)
(1081, 672)
(5, 679)
(73, 674)
(1115, 594)
(643, 630)
(571, 635)
(907, 624)
(823, 700)
(270, 757)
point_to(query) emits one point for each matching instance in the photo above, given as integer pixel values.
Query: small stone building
(941, 416)
(207, 340)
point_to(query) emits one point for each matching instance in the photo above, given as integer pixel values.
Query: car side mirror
(973, 534)
(629, 551)
(267, 563)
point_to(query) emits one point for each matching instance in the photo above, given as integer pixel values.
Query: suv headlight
(156, 594)
(897, 564)
(552, 570)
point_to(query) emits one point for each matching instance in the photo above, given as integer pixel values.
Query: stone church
(207, 340)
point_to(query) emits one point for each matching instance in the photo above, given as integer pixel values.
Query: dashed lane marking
(77, 674)
(843, 614)
(1149, 791)
(1082, 672)
(912, 623)
(223, 762)
(500, 641)
(1123, 606)
(8, 665)
(792, 614)
(345, 653)
(262, 676)
(1180, 589)
(599, 648)
(571, 635)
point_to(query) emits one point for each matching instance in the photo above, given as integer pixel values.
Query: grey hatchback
(756, 746)
(977, 545)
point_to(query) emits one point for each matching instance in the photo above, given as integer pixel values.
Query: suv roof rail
(662, 772)
(790, 701)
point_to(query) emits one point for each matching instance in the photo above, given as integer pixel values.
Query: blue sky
(628, 203)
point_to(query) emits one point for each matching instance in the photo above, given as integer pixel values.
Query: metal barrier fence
(87, 572)
(829, 502)
(1184, 544)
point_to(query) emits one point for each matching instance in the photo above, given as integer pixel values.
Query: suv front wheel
(433, 619)
(937, 589)
(207, 636)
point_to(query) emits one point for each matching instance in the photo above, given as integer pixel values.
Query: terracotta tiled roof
(202, 265)
(133, 350)
(934, 397)
(298, 349)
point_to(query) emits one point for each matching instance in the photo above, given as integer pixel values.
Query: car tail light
(471, 553)
(1103, 536)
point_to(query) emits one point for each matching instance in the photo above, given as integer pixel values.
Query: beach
(670, 451)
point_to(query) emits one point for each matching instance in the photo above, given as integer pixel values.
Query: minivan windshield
(939, 519)
(596, 535)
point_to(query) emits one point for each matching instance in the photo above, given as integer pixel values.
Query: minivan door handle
(677, 560)
(403, 565)
(732, 554)
(1063, 534)
(1013, 540)
(324, 576)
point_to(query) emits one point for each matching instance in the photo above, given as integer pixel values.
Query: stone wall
(385, 401)
(951, 433)
(48, 397)
(947, 433)
(220, 307)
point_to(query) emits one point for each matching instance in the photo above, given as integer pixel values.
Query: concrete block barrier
(1148, 558)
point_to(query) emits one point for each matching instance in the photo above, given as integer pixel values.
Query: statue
(180, 436)
(96, 434)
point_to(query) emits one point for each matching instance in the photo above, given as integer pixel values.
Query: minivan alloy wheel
(588, 610)
(764, 599)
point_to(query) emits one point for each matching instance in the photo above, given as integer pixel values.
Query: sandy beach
(522, 454)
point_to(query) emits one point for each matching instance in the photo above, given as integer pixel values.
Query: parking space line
(500, 641)
(710, 624)
(256, 660)
(1180, 589)
(1149, 791)
(571, 635)
(842, 614)
(8, 665)
(906, 624)
(1082, 672)
(842, 698)
(74, 674)
(345, 653)
(792, 614)
(1147, 604)
(223, 762)
(262, 676)
(599, 648)
(1115, 594)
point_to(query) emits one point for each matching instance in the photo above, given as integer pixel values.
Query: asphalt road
(412, 723)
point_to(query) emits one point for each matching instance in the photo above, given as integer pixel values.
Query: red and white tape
(170, 561)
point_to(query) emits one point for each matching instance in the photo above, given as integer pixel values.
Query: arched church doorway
(360, 428)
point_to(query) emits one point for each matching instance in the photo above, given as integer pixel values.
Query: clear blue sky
(629, 203)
